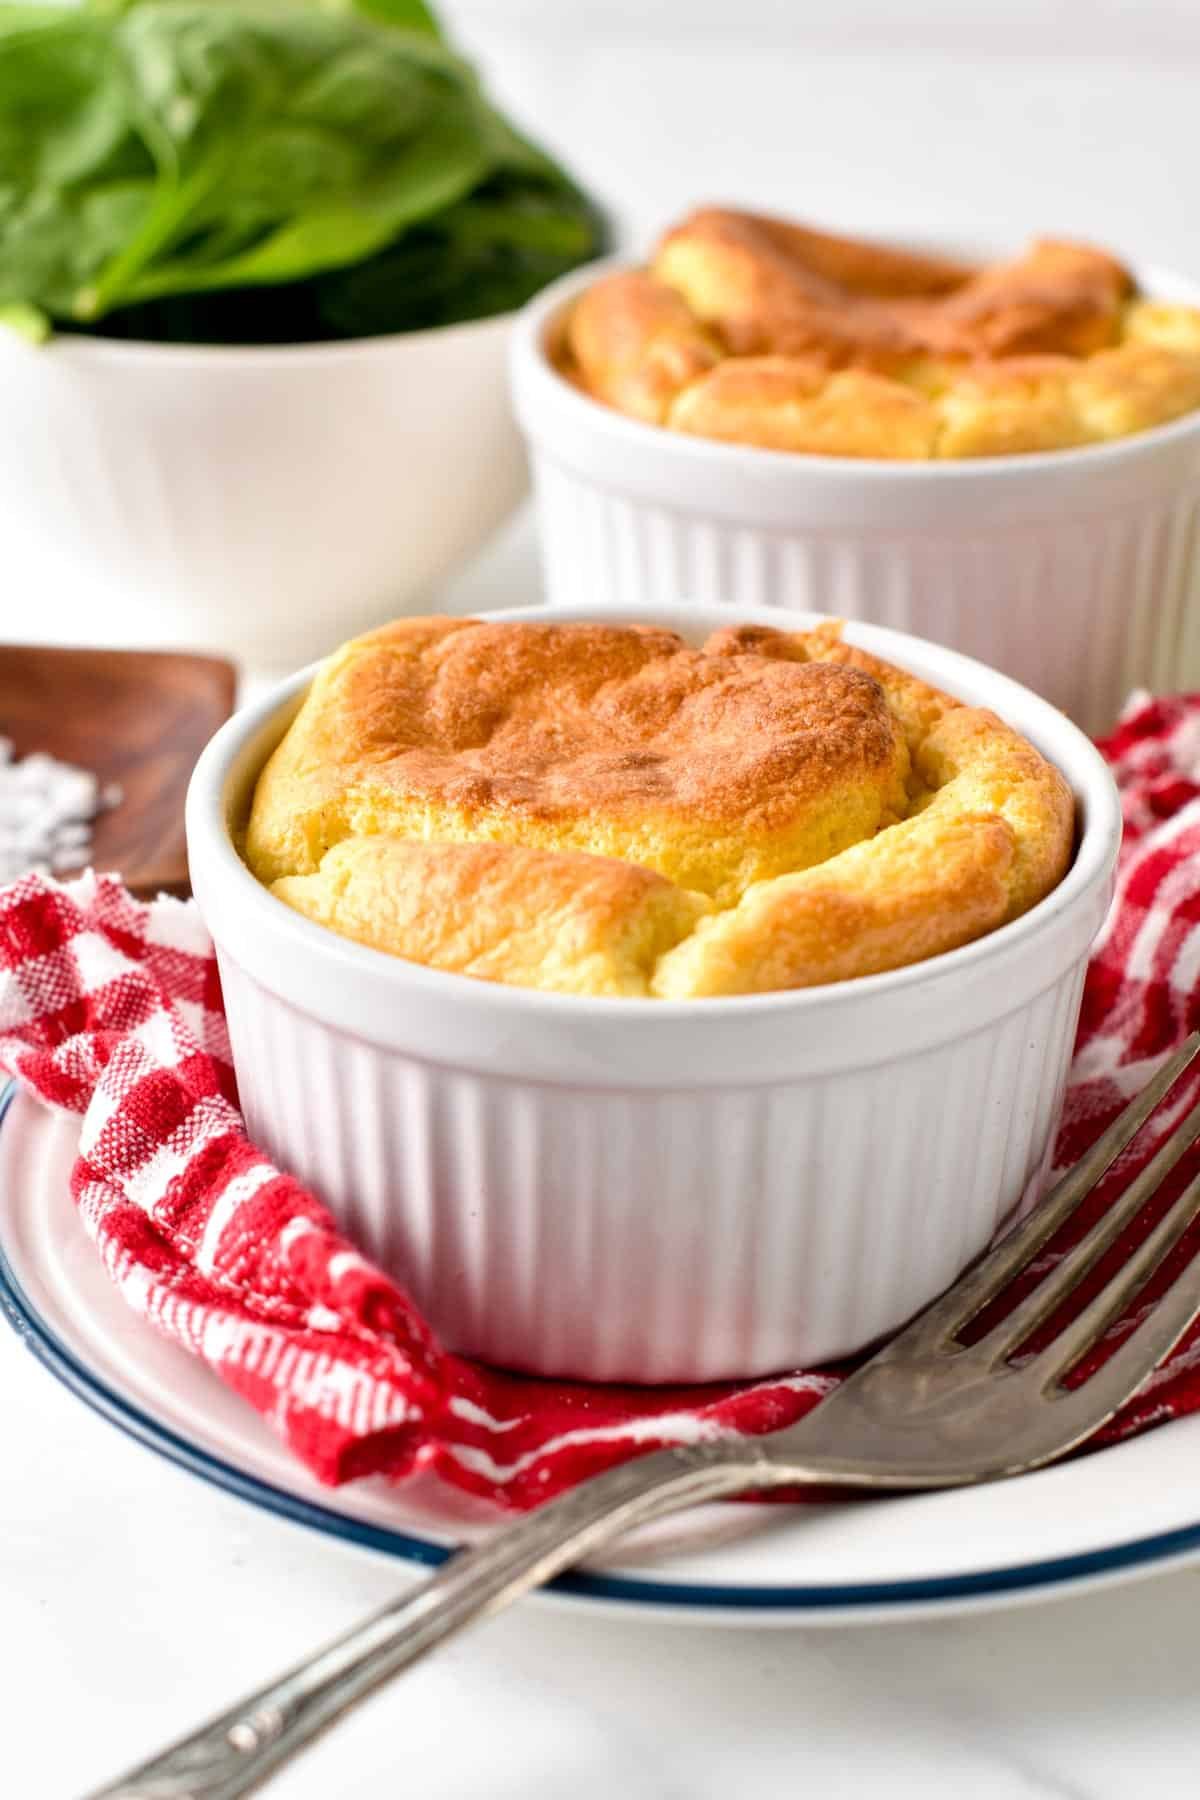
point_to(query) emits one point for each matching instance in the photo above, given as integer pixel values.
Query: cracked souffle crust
(755, 331)
(605, 809)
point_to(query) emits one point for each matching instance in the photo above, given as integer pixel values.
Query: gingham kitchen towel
(111, 1009)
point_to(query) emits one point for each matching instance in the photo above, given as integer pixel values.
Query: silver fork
(926, 1412)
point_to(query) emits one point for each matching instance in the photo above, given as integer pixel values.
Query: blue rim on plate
(1057, 1572)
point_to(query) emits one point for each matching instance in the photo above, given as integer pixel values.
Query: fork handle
(236, 1751)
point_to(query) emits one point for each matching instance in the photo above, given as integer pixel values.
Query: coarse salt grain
(46, 813)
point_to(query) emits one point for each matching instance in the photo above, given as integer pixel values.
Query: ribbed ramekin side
(1081, 607)
(668, 1234)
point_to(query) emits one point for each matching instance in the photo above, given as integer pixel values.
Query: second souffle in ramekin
(659, 1190)
(1071, 569)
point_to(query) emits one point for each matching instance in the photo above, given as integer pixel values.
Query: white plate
(1100, 1518)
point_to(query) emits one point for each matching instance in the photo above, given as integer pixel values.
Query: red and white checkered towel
(112, 1009)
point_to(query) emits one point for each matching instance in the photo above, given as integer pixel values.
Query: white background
(132, 1599)
(984, 119)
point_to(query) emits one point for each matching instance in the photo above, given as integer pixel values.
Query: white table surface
(134, 1599)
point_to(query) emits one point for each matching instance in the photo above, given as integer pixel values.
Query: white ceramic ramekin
(647, 1190)
(264, 502)
(1077, 572)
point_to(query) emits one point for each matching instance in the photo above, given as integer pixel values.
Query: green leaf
(153, 150)
(440, 167)
(26, 321)
(405, 15)
(298, 141)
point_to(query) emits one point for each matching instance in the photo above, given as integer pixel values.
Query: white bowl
(1076, 572)
(263, 502)
(648, 1190)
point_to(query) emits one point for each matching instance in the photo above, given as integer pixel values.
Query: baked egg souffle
(757, 331)
(604, 809)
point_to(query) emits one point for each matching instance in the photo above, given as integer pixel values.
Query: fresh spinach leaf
(154, 153)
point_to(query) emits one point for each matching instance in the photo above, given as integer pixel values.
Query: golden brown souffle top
(756, 331)
(603, 809)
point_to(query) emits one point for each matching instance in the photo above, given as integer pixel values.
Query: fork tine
(1077, 1338)
(1024, 1319)
(972, 1292)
